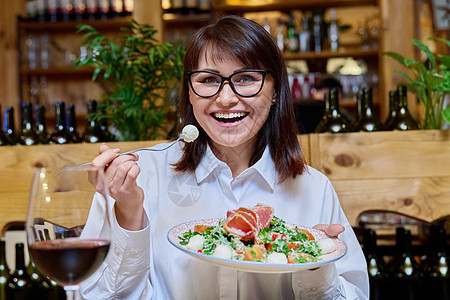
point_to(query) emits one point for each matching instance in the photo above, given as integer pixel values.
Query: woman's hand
(332, 230)
(120, 176)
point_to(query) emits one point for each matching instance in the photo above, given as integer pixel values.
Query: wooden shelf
(173, 20)
(108, 25)
(356, 53)
(60, 73)
(221, 6)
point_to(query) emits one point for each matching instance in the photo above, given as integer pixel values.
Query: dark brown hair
(249, 43)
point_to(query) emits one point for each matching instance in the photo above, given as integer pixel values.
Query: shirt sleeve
(125, 272)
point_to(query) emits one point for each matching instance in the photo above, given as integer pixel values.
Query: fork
(188, 134)
(129, 152)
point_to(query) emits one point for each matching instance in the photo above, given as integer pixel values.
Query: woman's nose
(226, 96)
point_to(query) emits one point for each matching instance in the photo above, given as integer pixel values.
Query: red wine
(69, 261)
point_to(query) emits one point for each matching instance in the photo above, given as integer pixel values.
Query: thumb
(332, 230)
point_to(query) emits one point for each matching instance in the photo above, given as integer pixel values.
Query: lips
(229, 117)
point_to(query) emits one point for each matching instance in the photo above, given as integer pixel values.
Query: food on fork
(255, 234)
(189, 133)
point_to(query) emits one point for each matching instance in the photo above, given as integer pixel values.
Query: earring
(274, 100)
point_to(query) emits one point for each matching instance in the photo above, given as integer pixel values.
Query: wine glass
(62, 245)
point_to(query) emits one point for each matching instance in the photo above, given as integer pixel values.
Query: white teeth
(229, 115)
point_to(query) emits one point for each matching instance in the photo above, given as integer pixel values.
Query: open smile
(229, 117)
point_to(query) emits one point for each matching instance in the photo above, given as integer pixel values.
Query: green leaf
(427, 51)
(446, 114)
(396, 56)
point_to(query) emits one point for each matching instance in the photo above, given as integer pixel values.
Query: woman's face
(229, 119)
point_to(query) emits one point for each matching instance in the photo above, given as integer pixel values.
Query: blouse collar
(265, 167)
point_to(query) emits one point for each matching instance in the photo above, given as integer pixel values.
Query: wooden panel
(378, 155)
(304, 145)
(17, 164)
(426, 198)
(406, 172)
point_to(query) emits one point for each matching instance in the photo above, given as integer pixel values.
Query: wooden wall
(406, 172)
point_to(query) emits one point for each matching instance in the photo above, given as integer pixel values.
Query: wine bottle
(403, 119)
(3, 140)
(333, 120)
(92, 132)
(79, 9)
(18, 285)
(41, 126)
(437, 277)
(27, 135)
(91, 10)
(65, 10)
(40, 10)
(393, 107)
(368, 120)
(60, 135)
(115, 8)
(191, 7)
(279, 36)
(204, 6)
(375, 266)
(296, 90)
(317, 33)
(103, 9)
(31, 10)
(292, 36)
(405, 273)
(8, 126)
(51, 10)
(72, 124)
(359, 105)
(333, 31)
(305, 35)
(128, 8)
(4, 270)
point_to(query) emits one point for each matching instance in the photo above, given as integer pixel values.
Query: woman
(236, 92)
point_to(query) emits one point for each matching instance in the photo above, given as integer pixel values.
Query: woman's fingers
(332, 230)
(106, 156)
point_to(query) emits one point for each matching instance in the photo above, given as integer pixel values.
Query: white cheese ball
(196, 243)
(327, 245)
(277, 258)
(223, 251)
(189, 133)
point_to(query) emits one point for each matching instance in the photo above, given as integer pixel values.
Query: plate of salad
(277, 247)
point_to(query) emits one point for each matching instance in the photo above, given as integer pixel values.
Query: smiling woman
(236, 91)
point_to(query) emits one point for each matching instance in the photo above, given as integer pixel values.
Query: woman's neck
(237, 158)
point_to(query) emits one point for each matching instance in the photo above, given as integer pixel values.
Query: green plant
(138, 73)
(431, 85)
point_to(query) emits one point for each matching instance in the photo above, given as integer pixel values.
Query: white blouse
(144, 265)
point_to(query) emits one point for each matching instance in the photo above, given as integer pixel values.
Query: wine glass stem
(71, 292)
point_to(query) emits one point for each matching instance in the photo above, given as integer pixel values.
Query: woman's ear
(274, 98)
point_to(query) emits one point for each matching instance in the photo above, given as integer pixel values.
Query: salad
(260, 237)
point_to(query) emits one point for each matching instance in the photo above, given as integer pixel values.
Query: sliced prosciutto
(246, 223)
(265, 215)
(242, 222)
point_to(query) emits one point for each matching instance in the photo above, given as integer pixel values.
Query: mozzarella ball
(189, 133)
(277, 258)
(327, 245)
(196, 243)
(223, 251)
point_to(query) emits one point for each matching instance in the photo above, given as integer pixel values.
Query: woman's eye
(245, 79)
(210, 80)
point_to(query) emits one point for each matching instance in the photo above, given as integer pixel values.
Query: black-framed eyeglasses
(245, 83)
